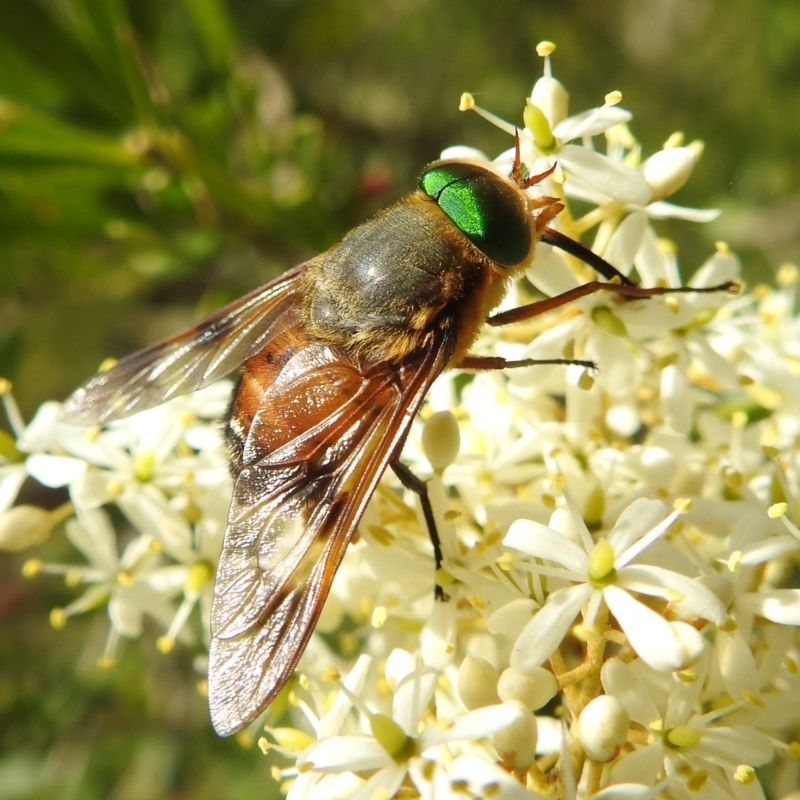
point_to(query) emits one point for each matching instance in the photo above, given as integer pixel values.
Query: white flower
(603, 572)
(397, 743)
(700, 757)
(131, 585)
(12, 465)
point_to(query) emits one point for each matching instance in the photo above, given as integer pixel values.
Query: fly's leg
(498, 362)
(420, 488)
(622, 289)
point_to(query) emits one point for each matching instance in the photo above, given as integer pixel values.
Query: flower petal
(485, 779)
(539, 541)
(383, 783)
(630, 791)
(649, 633)
(511, 618)
(732, 746)
(475, 724)
(640, 516)
(615, 180)
(592, 122)
(778, 605)
(545, 632)
(345, 753)
(55, 471)
(663, 210)
(689, 596)
(620, 681)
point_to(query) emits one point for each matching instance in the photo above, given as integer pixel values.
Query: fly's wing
(310, 456)
(190, 360)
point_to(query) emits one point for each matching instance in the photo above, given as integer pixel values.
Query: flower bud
(516, 744)
(24, 526)
(603, 727)
(533, 689)
(477, 683)
(441, 440)
(511, 618)
(667, 170)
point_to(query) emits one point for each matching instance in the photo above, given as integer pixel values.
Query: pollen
(735, 561)
(505, 562)
(754, 699)
(697, 781)
(330, 675)
(477, 602)
(199, 575)
(31, 568)
(91, 435)
(676, 139)
(740, 419)
(744, 774)
(72, 577)
(379, 617)
(125, 578)
(788, 275)
(545, 48)
(58, 618)
(683, 505)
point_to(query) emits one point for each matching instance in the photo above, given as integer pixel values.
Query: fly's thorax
(380, 291)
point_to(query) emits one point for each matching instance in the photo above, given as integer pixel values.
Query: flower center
(601, 564)
(391, 737)
(682, 736)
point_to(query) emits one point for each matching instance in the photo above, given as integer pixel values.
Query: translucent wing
(197, 357)
(310, 457)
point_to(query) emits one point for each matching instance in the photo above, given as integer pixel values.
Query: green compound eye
(492, 214)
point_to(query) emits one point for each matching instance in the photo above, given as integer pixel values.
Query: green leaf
(215, 29)
(29, 137)
(50, 47)
(115, 46)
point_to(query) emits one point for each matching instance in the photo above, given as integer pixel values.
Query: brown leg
(623, 290)
(497, 362)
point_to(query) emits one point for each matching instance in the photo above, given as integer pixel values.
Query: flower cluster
(620, 545)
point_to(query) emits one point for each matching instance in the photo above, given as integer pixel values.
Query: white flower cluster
(620, 548)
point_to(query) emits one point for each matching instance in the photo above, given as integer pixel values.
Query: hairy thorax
(394, 279)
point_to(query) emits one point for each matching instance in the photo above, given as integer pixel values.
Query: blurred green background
(160, 158)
